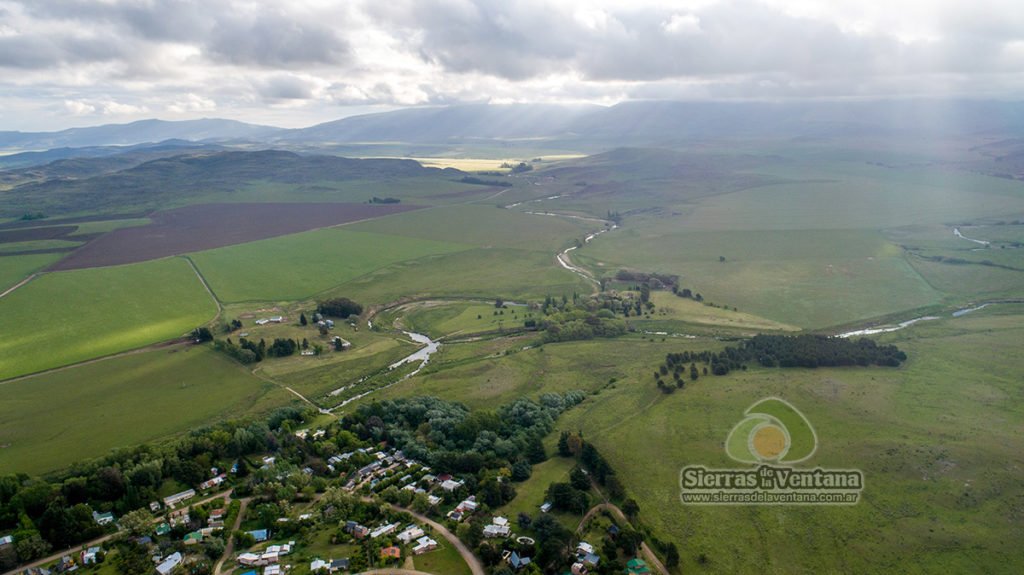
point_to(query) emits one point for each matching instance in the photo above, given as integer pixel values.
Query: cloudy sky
(298, 62)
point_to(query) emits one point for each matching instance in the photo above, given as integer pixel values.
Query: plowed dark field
(206, 226)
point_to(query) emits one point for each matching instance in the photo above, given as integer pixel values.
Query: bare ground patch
(206, 226)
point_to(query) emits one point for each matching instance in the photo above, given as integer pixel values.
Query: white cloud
(72, 60)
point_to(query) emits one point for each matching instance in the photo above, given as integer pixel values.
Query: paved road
(649, 556)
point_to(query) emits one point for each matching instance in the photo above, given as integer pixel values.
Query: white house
(383, 530)
(424, 544)
(172, 500)
(411, 532)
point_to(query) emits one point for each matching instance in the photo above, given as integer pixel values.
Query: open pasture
(300, 265)
(52, 420)
(14, 268)
(942, 488)
(67, 317)
(202, 227)
(807, 278)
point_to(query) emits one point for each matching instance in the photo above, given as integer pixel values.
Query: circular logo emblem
(773, 431)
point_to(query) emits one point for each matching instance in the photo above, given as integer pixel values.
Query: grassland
(50, 421)
(445, 559)
(13, 269)
(67, 317)
(808, 278)
(445, 319)
(300, 265)
(484, 226)
(477, 273)
(37, 245)
(939, 472)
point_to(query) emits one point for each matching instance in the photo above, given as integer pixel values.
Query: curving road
(649, 556)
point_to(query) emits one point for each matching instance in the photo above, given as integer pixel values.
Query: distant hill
(464, 123)
(136, 133)
(181, 179)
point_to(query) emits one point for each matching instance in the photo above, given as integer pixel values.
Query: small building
(424, 544)
(391, 553)
(339, 565)
(449, 485)
(6, 540)
(583, 548)
(162, 529)
(516, 561)
(637, 566)
(383, 530)
(277, 319)
(499, 527)
(168, 564)
(90, 555)
(579, 569)
(318, 564)
(545, 507)
(411, 532)
(172, 500)
(272, 570)
(154, 506)
(193, 538)
(260, 535)
(103, 518)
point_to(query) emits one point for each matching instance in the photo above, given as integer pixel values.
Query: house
(277, 319)
(358, 531)
(590, 559)
(517, 562)
(579, 569)
(383, 530)
(545, 507)
(89, 555)
(172, 500)
(433, 499)
(449, 485)
(499, 527)
(162, 529)
(154, 506)
(6, 540)
(455, 515)
(212, 482)
(391, 553)
(103, 518)
(339, 565)
(249, 559)
(217, 515)
(262, 321)
(193, 538)
(169, 564)
(583, 548)
(318, 564)
(637, 566)
(467, 506)
(424, 544)
(260, 535)
(272, 570)
(411, 532)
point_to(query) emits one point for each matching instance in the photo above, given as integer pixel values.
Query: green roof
(196, 535)
(637, 566)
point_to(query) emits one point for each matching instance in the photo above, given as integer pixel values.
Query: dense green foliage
(339, 307)
(450, 437)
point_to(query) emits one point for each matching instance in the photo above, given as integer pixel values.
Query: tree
(202, 334)
(579, 479)
(630, 507)
(671, 555)
(693, 372)
(721, 259)
(302, 319)
(535, 450)
(521, 470)
(645, 292)
(339, 307)
(31, 546)
(137, 523)
(498, 302)
(563, 445)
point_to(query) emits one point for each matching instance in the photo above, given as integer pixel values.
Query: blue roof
(260, 535)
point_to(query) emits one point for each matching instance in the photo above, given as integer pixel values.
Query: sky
(67, 63)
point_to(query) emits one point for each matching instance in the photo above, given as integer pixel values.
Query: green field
(515, 275)
(52, 420)
(300, 265)
(808, 278)
(36, 245)
(484, 226)
(939, 491)
(72, 316)
(13, 269)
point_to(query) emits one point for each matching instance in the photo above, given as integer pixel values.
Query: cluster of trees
(805, 350)
(580, 324)
(686, 293)
(244, 352)
(654, 280)
(449, 437)
(517, 168)
(339, 307)
(482, 182)
(202, 334)
(389, 200)
(56, 512)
